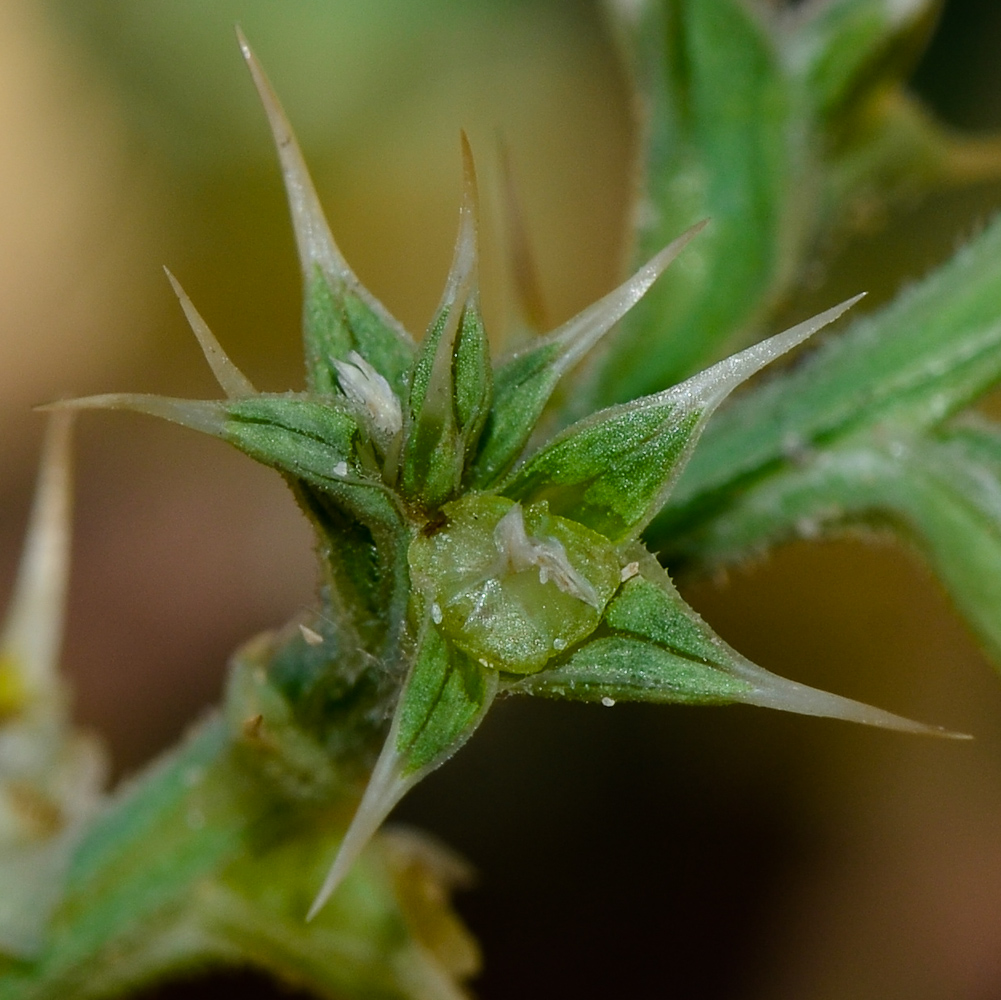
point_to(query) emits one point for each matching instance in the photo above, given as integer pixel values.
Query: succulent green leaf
(339, 314)
(908, 366)
(450, 386)
(524, 382)
(305, 438)
(654, 647)
(621, 669)
(443, 701)
(941, 491)
(316, 445)
(512, 587)
(362, 536)
(720, 140)
(445, 698)
(613, 471)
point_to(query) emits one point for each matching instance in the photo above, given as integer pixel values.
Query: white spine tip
(32, 632)
(232, 381)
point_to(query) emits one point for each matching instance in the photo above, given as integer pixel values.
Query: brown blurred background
(640, 852)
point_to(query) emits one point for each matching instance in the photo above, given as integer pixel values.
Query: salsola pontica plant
(460, 563)
(476, 540)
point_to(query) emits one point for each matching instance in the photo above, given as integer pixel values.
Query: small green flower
(461, 560)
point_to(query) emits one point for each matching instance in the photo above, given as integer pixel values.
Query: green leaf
(339, 314)
(909, 366)
(524, 382)
(617, 669)
(656, 648)
(306, 438)
(613, 471)
(316, 445)
(450, 386)
(443, 702)
(720, 140)
(940, 491)
(445, 698)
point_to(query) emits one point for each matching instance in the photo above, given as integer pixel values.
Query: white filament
(366, 388)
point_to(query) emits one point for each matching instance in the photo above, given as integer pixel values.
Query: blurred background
(637, 851)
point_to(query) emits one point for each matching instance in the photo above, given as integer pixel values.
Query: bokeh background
(637, 851)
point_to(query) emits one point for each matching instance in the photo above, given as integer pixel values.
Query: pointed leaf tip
(462, 275)
(340, 314)
(772, 691)
(656, 648)
(451, 383)
(208, 416)
(32, 632)
(582, 332)
(443, 702)
(613, 471)
(714, 384)
(232, 381)
(384, 790)
(526, 380)
(313, 237)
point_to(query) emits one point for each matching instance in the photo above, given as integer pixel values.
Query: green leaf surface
(524, 382)
(606, 471)
(336, 320)
(908, 366)
(444, 699)
(616, 669)
(306, 438)
(656, 648)
(720, 142)
(442, 704)
(841, 46)
(450, 387)
(614, 470)
(363, 538)
(941, 491)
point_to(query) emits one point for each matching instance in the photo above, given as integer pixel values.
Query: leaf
(443, 701)
(450, 386)
(524, 383)
(339, 314)
(314, 443)
(909, 366)
(941, 491)
(613, 471)
(778, 122)
(720, 140)
(658, 649)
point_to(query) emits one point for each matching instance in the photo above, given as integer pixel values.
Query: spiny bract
(458, 563)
